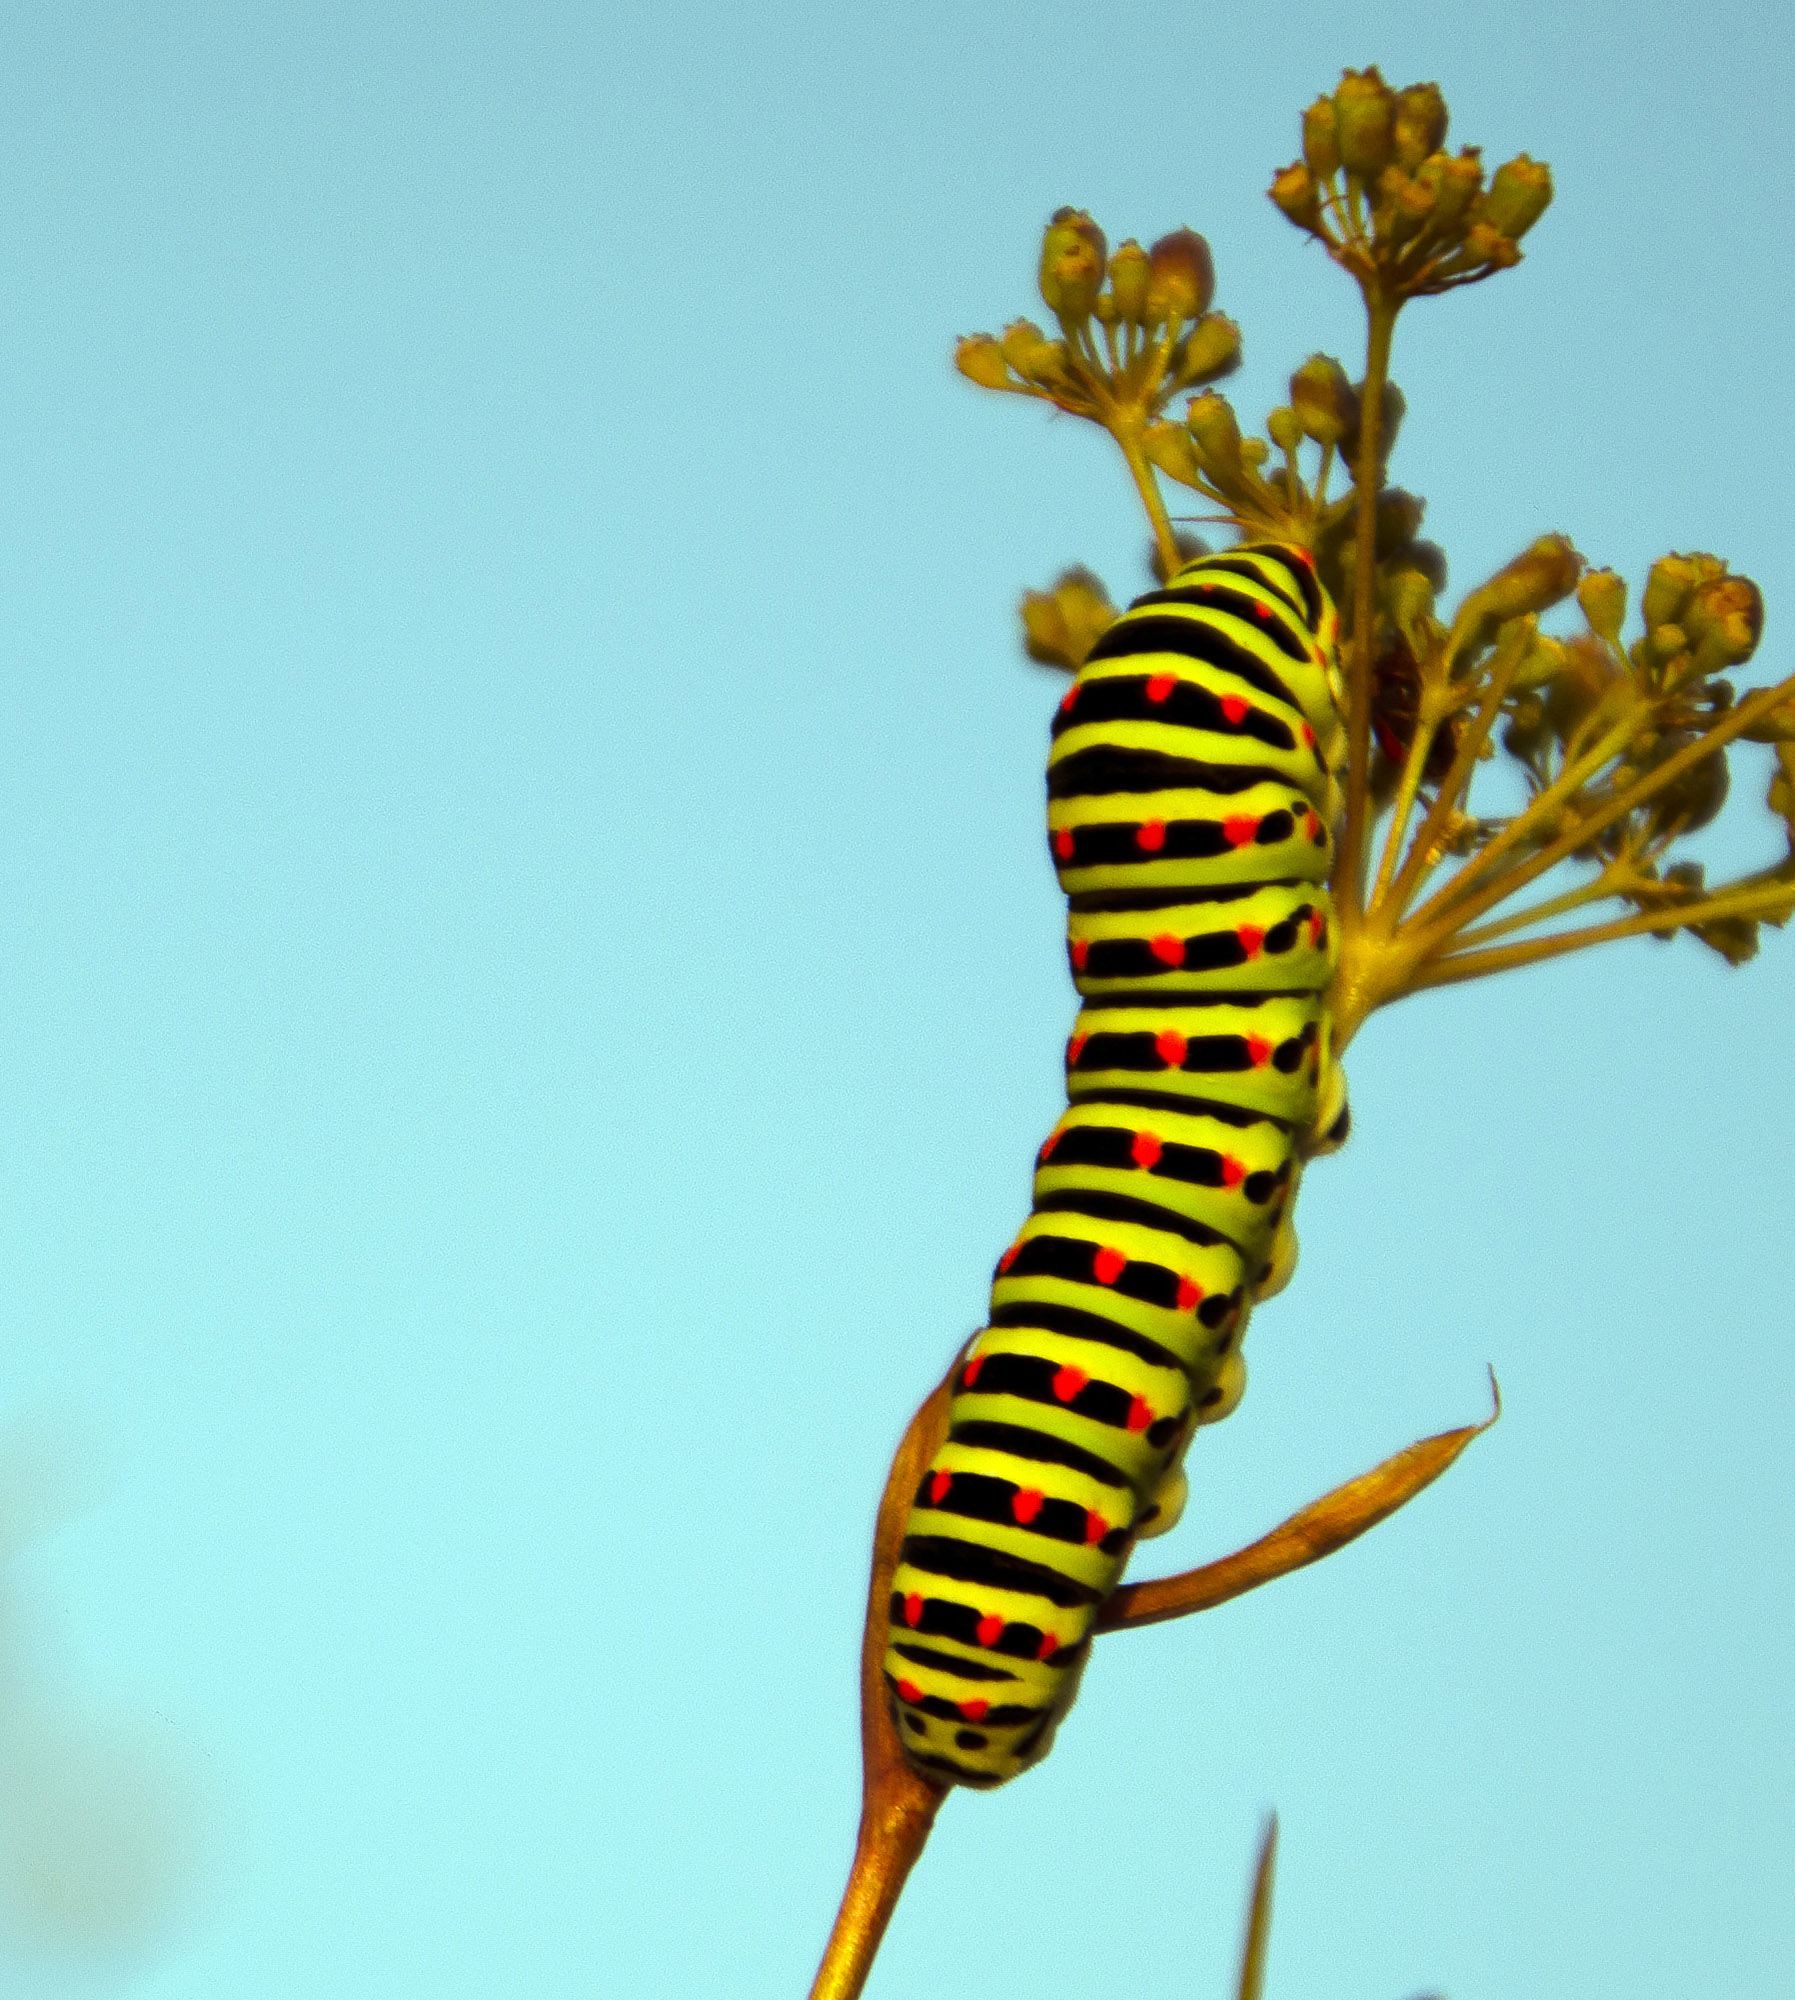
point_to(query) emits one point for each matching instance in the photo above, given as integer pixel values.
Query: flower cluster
(1376, 185)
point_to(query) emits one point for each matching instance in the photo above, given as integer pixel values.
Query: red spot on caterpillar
(1074, 1049)
(1233, 1171)
(1048, 1647)
(1150, 836)
(1308, 736)
(1062, 843)
(1318, 928)
(1258, 1051)
(970, 1373)
(1140, 1414)
(1167, 948)
(1146, 1150)
(1170, 1047)
(1109, 1265)
(990, 1631)
(938, 1487)
(1160, 686)
(1234, 707)
(974, 1711)
(913, 1609)
(1095, 1526)
(1239, 828)
(1068, 1382)
(1251, 938)
(1009, 1257)
(1025, 1504)
(1069, 697)
(909, 1691)
(1190, 1294)
(1081, 950)
(1048, 1144)
(1261, 611)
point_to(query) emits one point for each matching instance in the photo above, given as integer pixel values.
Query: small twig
(1768, 903)
(898, 1806)
(1317, 1530)
(1349, 893)
(1252, 1957)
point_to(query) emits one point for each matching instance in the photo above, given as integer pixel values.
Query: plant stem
(1771, 903)
(1349, 871)
(1435, 914)
(1416, 865)
(1597, 891)
(898, 1806)
(1732, 724)
(1151, 498)
(1314, 1531)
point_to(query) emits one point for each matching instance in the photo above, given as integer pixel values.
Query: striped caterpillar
(1193, 801)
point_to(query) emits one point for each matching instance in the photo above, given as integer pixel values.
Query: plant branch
(1646, 786)
(1453, 786)
(898, 1806)
(1769, 903)
(1153, 500)
(1348, 874)
(1314, 1531)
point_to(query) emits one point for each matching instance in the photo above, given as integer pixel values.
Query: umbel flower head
(1377, 187)
(1135, 327)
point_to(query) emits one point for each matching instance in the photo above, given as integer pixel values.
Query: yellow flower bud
(1074, 256)
(1217, 436)
(1603, 596)
(1519, 195)
(1672, 582)
(1454, 184)
(1544, 660)
(1181, 279)
(1295, 192)
(1169, 446)
(1321, 142)
(1061, 625)
(1489, 246)
(1033, 356)
(1724, 620)
(1403, 205)
(979, 357)
(1128, 270)
(1420, 125)
(1364, 120)
(1538, 578)
(1285, 429)
(1324, 399)
(1210, 350)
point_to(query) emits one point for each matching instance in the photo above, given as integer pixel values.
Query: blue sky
(532, 981)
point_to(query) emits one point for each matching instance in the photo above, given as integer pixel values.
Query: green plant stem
(1151, 498)
(1766, 902)
(1349, 871)
(1434, 915)
(1539, 913)
(1413, 765)
(1416, 864)
(1644, 788)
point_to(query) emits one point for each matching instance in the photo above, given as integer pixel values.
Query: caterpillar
(1194, 799)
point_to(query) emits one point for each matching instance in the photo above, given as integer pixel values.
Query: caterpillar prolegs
(1193, 791)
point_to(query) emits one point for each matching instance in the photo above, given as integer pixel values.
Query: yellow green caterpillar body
(1193, 803)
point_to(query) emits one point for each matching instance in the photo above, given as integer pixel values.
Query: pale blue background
(531, 978)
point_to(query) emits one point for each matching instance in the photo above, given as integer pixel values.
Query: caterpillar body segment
(1194, 798)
